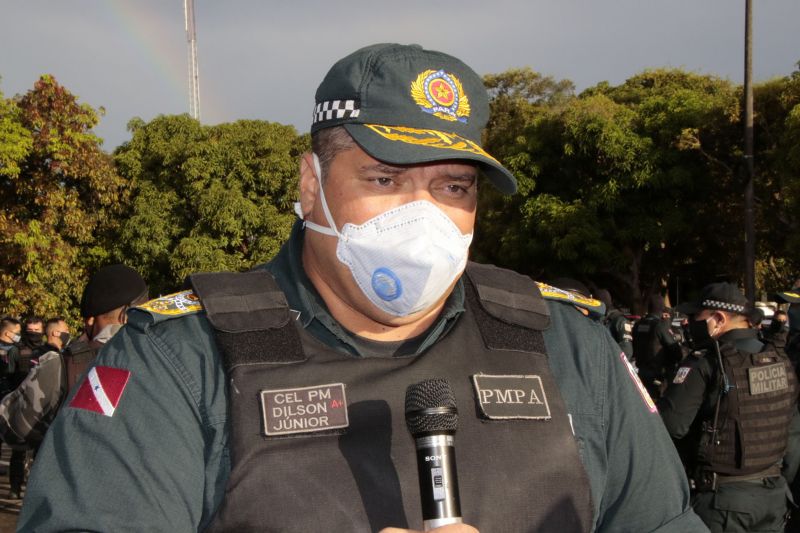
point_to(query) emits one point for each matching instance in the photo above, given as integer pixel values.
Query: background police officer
(618, 324)
(655, 349)
(729, 408)
(27, 412)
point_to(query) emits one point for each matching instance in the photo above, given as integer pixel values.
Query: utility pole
(749, 214)
(194, 75)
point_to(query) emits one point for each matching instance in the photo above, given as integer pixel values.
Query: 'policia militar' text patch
(511, 397)
(304, 409)
(770, 378)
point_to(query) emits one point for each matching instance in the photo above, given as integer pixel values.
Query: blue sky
(264, 60)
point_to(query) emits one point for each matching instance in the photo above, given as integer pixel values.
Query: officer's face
(10, 333)
(358, 188)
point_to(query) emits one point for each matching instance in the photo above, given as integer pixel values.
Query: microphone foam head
(431, 407)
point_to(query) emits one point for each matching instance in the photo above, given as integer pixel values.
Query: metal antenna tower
(194, 75)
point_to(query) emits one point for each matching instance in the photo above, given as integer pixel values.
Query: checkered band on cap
(335, 109)
(723, 306)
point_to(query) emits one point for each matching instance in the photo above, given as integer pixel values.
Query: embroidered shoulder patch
(554, 293)
(680, 377)
(179, 303)
(101, 390)
(651, 406)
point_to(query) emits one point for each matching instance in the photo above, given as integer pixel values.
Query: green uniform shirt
(161, 462)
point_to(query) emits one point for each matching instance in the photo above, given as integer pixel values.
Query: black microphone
(432, 419)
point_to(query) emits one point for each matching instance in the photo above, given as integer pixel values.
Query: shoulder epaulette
(172, 306)
(791, 297)
(595, 307)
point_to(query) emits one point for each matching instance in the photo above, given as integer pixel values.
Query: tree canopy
(206, 198)
(61, 200)
(633, 187)
(623, 186)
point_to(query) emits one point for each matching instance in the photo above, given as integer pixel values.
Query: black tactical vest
(77, 357)
(319, 439)
(646, 346)
(754, 415)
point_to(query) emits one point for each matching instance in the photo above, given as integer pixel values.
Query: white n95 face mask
(404, 259)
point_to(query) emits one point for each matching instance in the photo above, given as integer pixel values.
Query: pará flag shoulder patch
(680, 377)
(101, 390)
(651, 406)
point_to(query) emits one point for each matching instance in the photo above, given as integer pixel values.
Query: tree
(207, 198)
(60, 199)
(623, 185)
(777, 161)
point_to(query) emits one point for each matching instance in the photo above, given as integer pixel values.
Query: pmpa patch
(511, 397)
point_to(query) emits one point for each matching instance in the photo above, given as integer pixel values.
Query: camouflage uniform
(26, 413)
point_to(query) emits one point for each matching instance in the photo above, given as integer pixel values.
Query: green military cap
(406, 105)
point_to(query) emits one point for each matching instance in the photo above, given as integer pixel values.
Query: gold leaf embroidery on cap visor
(429, 138)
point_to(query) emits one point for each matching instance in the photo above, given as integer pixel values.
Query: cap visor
(400, 145)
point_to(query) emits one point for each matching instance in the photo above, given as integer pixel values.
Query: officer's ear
(309, 184)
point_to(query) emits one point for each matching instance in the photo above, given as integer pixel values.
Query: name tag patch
(764, 379)
(304, 409)
(511, 397)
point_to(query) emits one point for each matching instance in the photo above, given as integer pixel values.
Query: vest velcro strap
(240, 302)
(250, 316)
(510, 297)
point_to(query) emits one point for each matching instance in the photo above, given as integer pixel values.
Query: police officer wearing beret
(729, 407)
(274, 400)
(27, 412)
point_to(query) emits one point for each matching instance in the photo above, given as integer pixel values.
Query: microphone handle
(438, 480)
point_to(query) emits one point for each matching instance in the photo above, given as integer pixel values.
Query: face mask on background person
(106, 333)
(15, 338)
(701, 337)
(64, 337)
(404, 259)
(34, 338)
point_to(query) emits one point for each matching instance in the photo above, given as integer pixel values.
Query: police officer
(277, 404)
(792, 346)
(618, 324)
(28, 411)
(655, 349)
(729, 408)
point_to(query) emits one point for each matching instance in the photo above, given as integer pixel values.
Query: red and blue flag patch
(101, 390)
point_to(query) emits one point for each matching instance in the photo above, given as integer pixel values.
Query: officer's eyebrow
(384, 168)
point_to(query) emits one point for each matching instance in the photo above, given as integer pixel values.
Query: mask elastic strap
(311, 225)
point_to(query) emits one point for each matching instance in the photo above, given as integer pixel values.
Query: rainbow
(155, 37)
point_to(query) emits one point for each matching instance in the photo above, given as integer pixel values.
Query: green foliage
(777, 135)
(206, 198)
(626, 184)
(60, 196)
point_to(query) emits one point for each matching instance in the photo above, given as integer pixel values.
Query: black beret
(109, 288)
